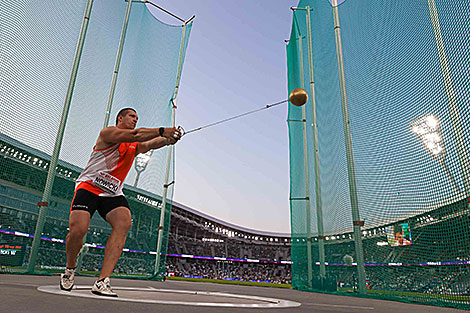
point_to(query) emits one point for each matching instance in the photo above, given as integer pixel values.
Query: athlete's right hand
(172, 133)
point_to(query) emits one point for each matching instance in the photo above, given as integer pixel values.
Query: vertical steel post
(449, 176)
(316, 155)
(169, 156)
(58, 143)
(117, 64)
(307, 181)
(349, 156)
(451, 97)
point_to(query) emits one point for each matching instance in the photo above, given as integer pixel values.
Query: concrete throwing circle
(179, 297)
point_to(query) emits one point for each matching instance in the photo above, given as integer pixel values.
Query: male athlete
(99, 188)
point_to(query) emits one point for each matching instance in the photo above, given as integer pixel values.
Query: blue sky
(235, 62)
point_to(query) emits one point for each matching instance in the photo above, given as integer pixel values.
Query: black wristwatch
(161, 130)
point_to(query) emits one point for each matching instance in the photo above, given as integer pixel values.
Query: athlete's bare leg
(79, 221)
(120, 220)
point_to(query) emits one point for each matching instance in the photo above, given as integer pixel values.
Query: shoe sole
(65, 289)
(102, 294)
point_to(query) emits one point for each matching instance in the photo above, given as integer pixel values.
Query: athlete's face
(129, 121)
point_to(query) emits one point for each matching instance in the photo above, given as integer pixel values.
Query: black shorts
(87, 201)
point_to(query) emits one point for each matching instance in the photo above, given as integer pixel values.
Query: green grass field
(230, 282)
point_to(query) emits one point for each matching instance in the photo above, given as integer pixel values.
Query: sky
(235, 62)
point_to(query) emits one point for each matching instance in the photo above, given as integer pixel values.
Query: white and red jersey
(107, 169)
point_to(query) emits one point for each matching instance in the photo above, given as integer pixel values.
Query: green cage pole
(451, 97)
(357, 223)
(307, 188)
(161, 226)
(58, 143)
(316, 155)
(117, 64)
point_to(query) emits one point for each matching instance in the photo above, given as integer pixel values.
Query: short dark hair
(123, 112)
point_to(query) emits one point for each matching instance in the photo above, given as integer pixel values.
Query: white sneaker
(67, 279)
(103, 288)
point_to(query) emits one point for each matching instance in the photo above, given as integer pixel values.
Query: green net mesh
(37, 47)
(407, 78)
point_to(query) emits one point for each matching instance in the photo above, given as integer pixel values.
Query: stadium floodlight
(427, 129)
(140, 164)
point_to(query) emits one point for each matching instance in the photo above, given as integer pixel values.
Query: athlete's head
(127, 118)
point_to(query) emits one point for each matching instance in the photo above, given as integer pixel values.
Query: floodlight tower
(454, 112)
(140, 164)
(428, 131)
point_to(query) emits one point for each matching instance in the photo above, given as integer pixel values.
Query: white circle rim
(270, 302)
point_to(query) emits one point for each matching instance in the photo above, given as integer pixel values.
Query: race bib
(107, 182)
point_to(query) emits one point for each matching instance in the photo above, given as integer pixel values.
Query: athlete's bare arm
(112, 135)
(155, 143)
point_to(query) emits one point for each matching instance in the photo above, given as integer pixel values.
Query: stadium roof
(229, 225)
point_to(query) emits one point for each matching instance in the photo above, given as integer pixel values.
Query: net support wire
(185, 22)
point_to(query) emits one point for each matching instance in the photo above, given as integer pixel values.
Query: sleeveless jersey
(107, 169)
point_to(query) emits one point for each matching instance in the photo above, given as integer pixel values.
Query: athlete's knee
(123, 225)
(120, 219)
(77, 229)
(79, 222)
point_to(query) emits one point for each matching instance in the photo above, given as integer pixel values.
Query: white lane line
(341, 306)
